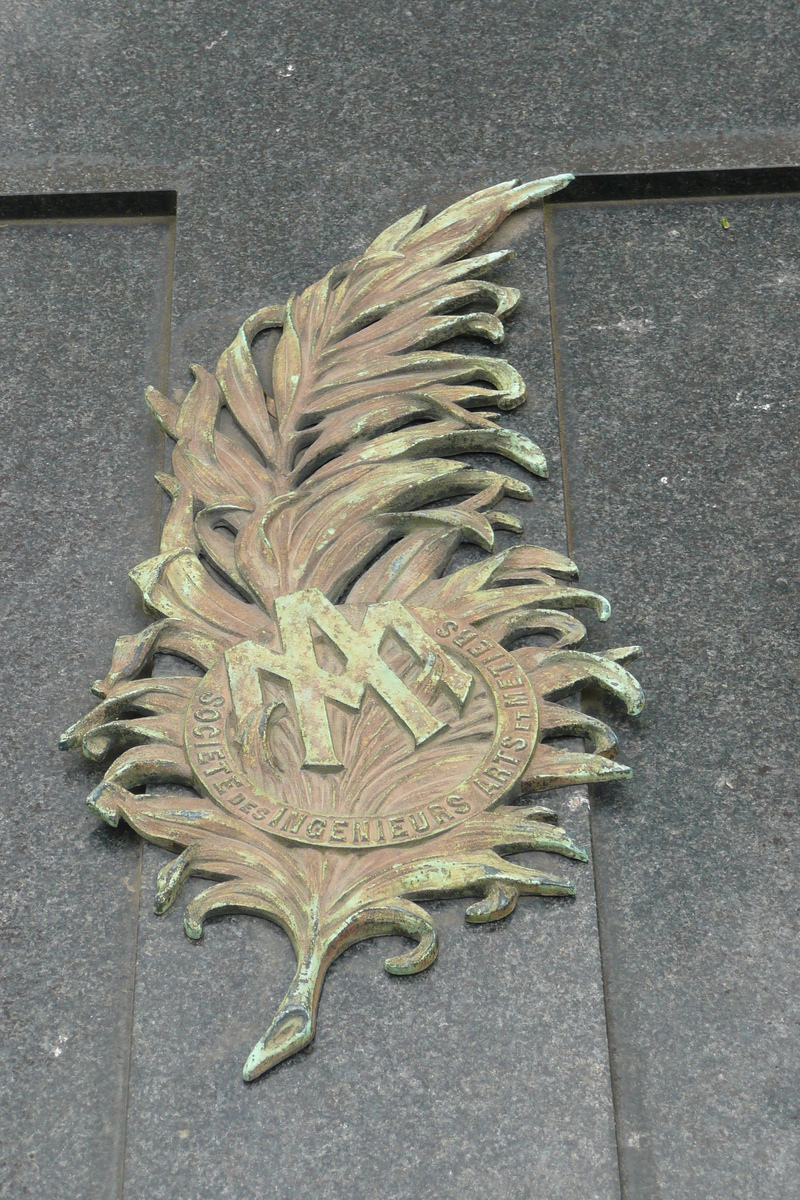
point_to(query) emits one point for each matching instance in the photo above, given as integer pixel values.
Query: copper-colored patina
(358, 737)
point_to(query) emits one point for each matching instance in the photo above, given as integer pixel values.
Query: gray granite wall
(83, 328)
(677, 356)
(292, 132)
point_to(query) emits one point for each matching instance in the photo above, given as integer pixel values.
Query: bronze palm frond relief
(368, 729)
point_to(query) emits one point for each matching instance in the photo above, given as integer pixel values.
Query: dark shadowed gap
(678, 185)
(72, 206)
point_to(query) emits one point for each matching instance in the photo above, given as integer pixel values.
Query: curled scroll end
(499, 901)
(418, 958)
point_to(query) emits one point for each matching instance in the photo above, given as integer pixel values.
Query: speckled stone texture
(677, 351)
(82, 329)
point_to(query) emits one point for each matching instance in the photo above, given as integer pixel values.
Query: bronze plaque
(364, 729)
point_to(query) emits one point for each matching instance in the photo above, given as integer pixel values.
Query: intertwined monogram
(312, 684)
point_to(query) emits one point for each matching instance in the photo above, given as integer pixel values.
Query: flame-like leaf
(346, 482)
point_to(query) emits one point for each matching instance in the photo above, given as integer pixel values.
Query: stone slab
(82, 331)
(677, 357)
(488, 1072)
(300, 99)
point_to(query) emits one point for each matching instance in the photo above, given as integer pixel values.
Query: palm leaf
(347, 475)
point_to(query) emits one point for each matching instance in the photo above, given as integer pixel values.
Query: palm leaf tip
(537, 189)
(357, 381)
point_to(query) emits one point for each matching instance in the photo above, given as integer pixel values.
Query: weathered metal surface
(360, 737)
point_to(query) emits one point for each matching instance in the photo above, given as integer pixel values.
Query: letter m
(313, 685)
